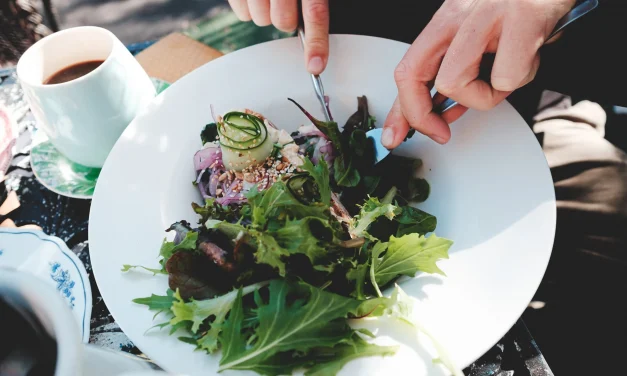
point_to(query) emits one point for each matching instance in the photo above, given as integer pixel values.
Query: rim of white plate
(128, 135)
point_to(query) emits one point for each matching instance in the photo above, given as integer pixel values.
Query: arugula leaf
(320, 174)
(127, 267)
(199, 311)
(187, 244)
(340, 355)
(311, 318)
(157, 302)
(407, 255)
(370, 211)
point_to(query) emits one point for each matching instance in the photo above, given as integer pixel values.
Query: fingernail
(387, 137)
(315, 65)
(438, 139)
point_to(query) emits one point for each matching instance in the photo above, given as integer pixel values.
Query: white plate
(491, 192)
(49, 259)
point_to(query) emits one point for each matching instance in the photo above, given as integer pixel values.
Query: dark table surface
(516, 354)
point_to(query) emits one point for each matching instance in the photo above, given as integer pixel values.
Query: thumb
(395, 127)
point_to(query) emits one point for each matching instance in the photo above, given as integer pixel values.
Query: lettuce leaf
(370, 211)
(277, 201)
(320, 174)
(359, 274)
(407, 255)
(309, 236)
(168, 248)
(281, 226)
(269, 251)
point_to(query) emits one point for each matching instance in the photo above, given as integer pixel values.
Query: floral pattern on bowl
(48, 258)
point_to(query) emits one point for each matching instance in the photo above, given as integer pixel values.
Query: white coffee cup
(83, 118)
(40, 303)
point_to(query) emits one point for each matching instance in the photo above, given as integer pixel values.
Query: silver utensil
(570, 17)
(375, 134)
(317, 82)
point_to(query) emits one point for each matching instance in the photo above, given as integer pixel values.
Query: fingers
(457, 78)
(418, 67)
(534, 70)
(516, 56)
(316, 19)
(453, 113)
(395, 127)
(284, 14)
(260, 12)
(240, 7)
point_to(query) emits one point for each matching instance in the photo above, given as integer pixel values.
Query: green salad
(298, 235)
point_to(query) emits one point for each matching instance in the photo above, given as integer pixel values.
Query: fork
(381, 151)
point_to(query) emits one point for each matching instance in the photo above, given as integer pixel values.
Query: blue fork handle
(486, 65)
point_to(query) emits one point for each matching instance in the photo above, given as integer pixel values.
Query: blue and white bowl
(48, 258)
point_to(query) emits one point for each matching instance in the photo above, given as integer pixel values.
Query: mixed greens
(298, 235)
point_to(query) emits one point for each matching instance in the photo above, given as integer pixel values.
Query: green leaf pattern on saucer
(62, 176)
(160, 85)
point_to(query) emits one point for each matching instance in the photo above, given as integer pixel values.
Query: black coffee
(26, 349)
(73, 72)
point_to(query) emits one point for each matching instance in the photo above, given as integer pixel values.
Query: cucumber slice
(244, 139)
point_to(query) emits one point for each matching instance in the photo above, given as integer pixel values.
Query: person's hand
(448, 53)
(283, 14)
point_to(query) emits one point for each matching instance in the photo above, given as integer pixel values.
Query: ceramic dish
(491, 191)
(48, 258)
